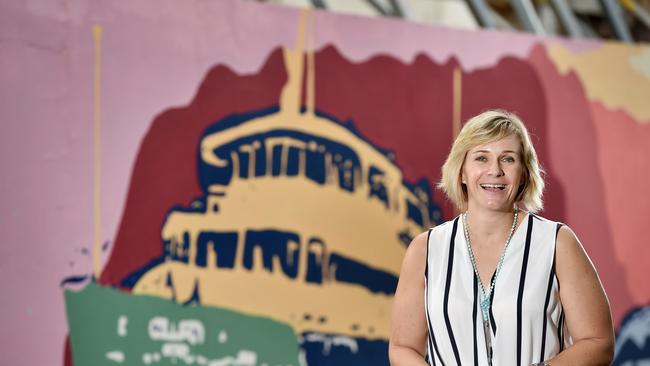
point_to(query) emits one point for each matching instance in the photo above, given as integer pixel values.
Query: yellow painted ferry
(301, 218)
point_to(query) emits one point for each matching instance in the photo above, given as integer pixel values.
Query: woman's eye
(481, 158)
(509, 159)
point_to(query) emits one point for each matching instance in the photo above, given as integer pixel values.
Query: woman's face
(492, 174)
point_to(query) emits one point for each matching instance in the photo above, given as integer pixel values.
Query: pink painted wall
(154, 55)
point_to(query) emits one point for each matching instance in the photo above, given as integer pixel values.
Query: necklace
(486, 295)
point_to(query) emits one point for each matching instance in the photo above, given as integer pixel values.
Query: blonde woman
(498, 285)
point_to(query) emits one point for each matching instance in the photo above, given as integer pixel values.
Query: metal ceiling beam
(567, 18)
(587, 31)
(397, 9)
(320, 4)
(404, 9)
(500, 22)
(638, 11)
(394, 10)
(483, 13)
(615, 17)
(528, 17)
(375, 5)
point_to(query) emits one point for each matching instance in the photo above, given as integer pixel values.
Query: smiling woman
(494, 174)
(479, 135)
(491, 295)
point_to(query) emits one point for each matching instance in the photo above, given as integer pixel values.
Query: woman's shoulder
(445, 229)
(567, 243)
(419, 242)
(419, 245)
(545, 222)
(413, 264)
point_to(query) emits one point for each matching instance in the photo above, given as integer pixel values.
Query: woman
(498, 285)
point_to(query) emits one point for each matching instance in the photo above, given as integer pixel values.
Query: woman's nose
(495, 169)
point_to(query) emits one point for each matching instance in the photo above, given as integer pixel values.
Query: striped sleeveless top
(526, 317)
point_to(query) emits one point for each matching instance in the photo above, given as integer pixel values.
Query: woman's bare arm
(585, 304)
(408, 334)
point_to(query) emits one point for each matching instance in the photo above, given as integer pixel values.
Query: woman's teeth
(493, 186)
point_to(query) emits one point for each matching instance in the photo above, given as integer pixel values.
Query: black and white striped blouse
(526, 317)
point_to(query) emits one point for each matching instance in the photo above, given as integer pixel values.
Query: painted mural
(299, 220)
(250, 175)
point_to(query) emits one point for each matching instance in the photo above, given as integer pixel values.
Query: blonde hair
(487, 127)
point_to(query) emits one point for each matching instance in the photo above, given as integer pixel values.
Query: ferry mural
(235, 183)
(301, 221)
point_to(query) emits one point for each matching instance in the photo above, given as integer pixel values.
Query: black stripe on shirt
(557, 231)
(431, 339)
(474, 314)
(549, 287)
(560, 330)
(445, 308)
(492, 321)
(561, 327)
(522, 281)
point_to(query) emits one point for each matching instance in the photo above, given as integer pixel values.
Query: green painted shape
(94, 313)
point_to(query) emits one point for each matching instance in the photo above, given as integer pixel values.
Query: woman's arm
(585, 306)
(408, 334)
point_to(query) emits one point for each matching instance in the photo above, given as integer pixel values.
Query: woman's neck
(489, 225)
